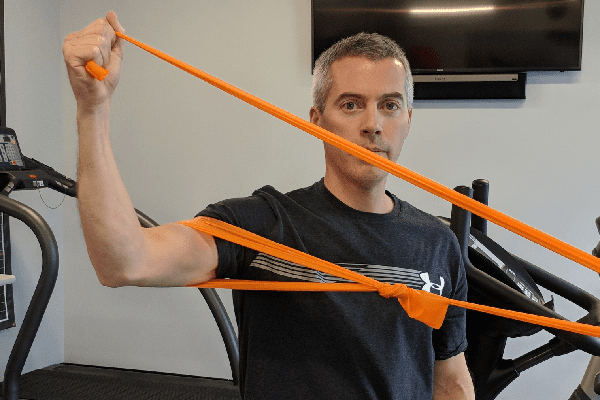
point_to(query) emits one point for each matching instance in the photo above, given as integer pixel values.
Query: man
(296, 345)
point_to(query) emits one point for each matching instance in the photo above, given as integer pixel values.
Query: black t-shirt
(335, 345)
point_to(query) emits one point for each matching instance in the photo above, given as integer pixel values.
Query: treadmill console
(10, 152)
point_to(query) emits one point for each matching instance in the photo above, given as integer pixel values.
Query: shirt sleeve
(251, 213)
(451, 338)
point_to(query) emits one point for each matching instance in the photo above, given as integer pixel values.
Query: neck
(367, 198)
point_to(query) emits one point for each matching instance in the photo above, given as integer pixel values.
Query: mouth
(378, 151)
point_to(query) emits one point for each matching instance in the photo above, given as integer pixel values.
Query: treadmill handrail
(40, 298)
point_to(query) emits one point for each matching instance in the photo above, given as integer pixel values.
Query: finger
(117, 47)
(94, 27)
(82, 49)
(107, 41)
(99, 34)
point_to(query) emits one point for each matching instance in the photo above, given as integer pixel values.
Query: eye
(391, 106)
(350, 105)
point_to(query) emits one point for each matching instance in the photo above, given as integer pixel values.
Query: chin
(370, 180)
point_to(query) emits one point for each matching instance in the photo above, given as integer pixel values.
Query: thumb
(117, 47)
(112, 19)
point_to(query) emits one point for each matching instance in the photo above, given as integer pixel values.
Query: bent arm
(452, 380)
(121, 251)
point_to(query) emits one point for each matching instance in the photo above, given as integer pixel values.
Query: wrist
(93, 126)
(92, 111)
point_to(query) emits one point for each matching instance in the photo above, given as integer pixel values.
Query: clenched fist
(96, 42)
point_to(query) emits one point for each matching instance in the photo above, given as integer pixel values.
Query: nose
(371, 124)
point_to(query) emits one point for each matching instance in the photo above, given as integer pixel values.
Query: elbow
(113, 275)
(112, 280)
(114, 270)
(124, 275)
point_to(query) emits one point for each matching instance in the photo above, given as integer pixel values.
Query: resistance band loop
(423, 306)
(424, 183)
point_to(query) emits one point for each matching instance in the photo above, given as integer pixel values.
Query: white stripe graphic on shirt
(382, 273)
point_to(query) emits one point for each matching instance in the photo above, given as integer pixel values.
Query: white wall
(181, 144)
(33, 70)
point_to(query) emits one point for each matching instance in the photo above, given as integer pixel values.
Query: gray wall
(182, 144)
(33, 73)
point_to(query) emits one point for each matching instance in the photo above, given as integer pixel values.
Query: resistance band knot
(396, 290)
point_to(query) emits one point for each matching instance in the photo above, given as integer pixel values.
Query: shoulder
(432, 233)
(259, 211)
(249, 212)
(425, 222)
(235, 206)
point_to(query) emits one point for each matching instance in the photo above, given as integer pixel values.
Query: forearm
(453, 391)
(452, 380)
(112, 232)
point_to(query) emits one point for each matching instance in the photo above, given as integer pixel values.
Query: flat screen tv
(462, 36)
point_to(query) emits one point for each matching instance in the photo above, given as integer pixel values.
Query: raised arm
(121, 251)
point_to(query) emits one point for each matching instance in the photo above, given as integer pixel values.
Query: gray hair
(373, 46)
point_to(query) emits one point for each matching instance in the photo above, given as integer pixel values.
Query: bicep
(177, 255)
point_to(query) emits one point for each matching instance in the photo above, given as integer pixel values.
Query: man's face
(366, 105)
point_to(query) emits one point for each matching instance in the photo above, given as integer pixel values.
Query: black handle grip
(481, 193)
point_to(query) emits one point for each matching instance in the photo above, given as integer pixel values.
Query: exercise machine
(500, 279)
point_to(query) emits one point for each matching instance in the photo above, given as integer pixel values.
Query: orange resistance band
(424, 183)
(423, 306)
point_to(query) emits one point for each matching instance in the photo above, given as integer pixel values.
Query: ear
(315, 115)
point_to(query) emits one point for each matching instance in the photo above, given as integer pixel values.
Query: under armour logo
(430, 285)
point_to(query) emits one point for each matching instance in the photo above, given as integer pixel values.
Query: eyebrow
(393, 95)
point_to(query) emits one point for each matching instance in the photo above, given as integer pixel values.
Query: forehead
(369, 78)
